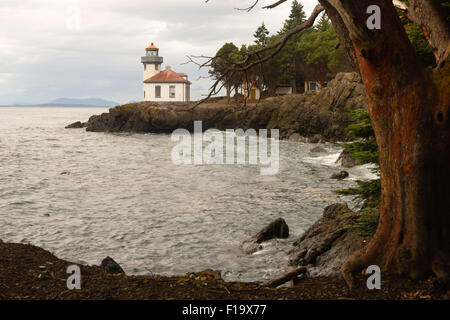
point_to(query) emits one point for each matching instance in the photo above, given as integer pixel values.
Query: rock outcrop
(327, 244)
(317, 116)
(346, 160)
(276, 229)
(339, 175)
(318, 150)
(77, 125)
(111, 266)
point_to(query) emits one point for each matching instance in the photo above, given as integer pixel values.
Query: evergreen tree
(261, 35)
(296, 17)
(365, 150)
(288, 59)
(317, 48)
(324, 23)
(228, 54)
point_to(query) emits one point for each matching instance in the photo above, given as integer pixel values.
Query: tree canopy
(309, 55)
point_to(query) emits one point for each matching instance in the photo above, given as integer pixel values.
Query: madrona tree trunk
(410, 110)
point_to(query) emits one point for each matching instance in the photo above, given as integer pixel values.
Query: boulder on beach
(110, 266)
(339, 175)
(276, 229)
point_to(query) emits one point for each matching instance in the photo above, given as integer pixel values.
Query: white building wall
(150, 70)
(181, 92)
(308, 86)
(283, 90)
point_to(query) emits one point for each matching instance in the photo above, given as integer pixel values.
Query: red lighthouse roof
(167, 75)
(151, 47)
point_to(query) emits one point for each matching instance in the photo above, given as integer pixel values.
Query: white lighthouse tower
(152, 61)
(165, 85)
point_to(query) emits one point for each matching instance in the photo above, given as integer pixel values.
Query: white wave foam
(328, 160)
(363, 172)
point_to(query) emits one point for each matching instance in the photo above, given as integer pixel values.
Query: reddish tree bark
(410, 110)
(409, 107)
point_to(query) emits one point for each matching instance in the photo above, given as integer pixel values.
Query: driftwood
(284, 278)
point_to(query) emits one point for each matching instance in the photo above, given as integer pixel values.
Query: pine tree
(296, 17)
(365, 150)
(317, 48)
(228, 54)
(261, 35)
(324, 23)
(289, 58)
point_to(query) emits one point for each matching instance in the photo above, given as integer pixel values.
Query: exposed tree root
(402, 261)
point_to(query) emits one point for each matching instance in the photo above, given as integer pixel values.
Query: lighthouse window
(156, 67)
(158, 92)
(145, 67)
(172, 91)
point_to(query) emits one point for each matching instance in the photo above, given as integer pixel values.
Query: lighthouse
(162, 85)
(152, 61)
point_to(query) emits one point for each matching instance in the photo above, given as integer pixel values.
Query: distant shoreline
(55, 106)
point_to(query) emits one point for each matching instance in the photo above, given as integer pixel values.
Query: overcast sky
(92, 48)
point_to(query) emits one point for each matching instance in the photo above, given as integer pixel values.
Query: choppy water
(123, 197)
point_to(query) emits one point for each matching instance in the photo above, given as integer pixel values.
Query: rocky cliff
(315, 115)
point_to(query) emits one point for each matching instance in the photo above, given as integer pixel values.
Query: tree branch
(248, 9)
(244, 65)
(276, 4)
(284, 278)
(428, 15)
(277, 45)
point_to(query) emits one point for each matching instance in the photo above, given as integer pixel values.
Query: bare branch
(278, 45)
(243, 66)
(249, 8)
(284, 278)
(276, 4)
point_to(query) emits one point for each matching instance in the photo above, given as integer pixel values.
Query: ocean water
(84, 196)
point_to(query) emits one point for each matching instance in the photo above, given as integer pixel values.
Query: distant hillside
(83, 102)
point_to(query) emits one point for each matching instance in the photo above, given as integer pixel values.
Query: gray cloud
(43, 55)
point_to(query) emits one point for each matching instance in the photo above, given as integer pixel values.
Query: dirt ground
(29, 272)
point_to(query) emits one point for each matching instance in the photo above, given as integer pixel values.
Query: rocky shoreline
(323, 248)
(28, 272)
(310, 117)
